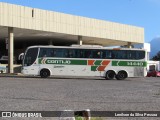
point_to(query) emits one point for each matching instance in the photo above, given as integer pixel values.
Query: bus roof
(83, 47)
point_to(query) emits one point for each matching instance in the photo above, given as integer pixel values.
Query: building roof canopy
(36, 24)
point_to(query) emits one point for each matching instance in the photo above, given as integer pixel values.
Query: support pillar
(129, 45)
(10, 50)
(80, 40)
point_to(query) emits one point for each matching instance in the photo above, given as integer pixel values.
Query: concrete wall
(31, 18)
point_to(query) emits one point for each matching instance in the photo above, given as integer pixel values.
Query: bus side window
(131, 55)
(70, 53)
(116, 54)
(113, 55)
(76, 53)
(104, 54)
(65, 54)
(122, 54)
(81, 53)
(53, 53)
(43, 53)
(140, 54)
(88, 54)
(107, 54)
(60, 53)
(96, 54)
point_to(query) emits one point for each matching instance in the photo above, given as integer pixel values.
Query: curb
(11, 74)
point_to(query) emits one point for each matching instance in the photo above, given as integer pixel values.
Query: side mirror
(20, 58)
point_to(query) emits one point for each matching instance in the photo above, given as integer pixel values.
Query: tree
(157, 56)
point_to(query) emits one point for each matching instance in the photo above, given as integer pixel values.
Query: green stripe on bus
(129, 63)
(63, 61)
(94, 68)
(98, 62)
(78, 62)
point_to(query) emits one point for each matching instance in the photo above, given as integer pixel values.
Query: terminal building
(22, 26)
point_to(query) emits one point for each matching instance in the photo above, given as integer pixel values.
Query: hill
(155, 46)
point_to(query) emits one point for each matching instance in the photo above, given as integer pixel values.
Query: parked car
(153, 73)
(4, 60)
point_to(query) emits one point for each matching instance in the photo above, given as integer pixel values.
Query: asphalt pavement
(21, 93)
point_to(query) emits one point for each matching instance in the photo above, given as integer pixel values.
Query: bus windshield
(30, 56)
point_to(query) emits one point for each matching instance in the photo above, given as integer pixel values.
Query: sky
(142, 13)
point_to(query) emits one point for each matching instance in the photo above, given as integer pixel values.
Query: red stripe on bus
(91, 62)
(105, 62)
(101, 68)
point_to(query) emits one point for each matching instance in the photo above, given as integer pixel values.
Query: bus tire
(44, 73)
(121, 75)
(110, 75)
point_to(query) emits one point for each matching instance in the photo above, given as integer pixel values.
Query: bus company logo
(51, 61)
(6, 114)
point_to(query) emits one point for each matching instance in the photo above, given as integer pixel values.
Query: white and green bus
(85, 60)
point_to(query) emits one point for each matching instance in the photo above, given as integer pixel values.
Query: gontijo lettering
(51, 61)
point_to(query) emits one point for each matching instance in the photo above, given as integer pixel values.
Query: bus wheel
(121, 75)
(110, 75)
(44, 73)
